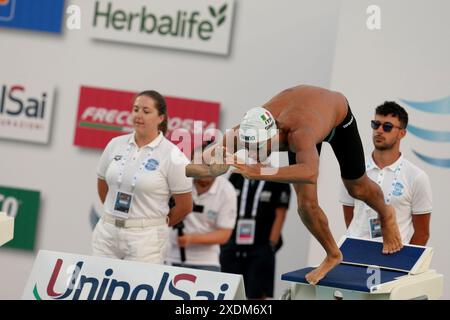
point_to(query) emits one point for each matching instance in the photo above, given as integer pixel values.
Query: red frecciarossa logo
(104, 114)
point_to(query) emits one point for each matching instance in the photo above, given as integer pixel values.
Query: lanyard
(244, 195)
(138, 173)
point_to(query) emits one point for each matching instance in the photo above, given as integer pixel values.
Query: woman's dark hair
(160, 104)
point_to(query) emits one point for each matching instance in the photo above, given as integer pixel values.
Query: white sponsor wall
(273, 45)
(408, 58)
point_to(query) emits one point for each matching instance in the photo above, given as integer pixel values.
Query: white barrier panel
(6, 228)
(64, 276)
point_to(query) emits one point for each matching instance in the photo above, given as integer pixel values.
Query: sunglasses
(387, 126)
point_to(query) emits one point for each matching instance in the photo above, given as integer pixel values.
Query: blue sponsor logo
(212, 215)
(7, 9)
(398, 189)
(430, 135)
(42, 15)
(437, 162)
(441, 106)
(151, 164)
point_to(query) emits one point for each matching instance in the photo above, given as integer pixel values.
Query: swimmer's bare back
(308, 108)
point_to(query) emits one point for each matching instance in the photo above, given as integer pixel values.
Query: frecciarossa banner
(63, 276)
(104, 114)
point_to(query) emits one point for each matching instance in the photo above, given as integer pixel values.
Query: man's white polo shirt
(410, 195)
(163, 173)
(219, 212)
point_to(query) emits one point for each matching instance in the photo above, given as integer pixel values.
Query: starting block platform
(6, 228)
(366, 273)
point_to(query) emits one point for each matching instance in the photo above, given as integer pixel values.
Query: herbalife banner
(197, 25)
(23, 206)
(104, 114)
(25, 112)
(63, 276)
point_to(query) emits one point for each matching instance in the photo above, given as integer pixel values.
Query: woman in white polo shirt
(137, 174)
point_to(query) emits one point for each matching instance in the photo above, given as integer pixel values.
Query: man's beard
(383, 146)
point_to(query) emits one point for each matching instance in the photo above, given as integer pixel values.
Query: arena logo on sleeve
(23, 206)
(25, 112)
(42, 15)
(195, 25)
(104, 114)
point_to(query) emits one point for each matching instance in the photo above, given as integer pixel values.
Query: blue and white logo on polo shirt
(42, 15)
(152, 164)
(212, 215)
(398, 189)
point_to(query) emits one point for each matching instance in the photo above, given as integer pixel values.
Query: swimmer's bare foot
(321, 271)
(392, 242)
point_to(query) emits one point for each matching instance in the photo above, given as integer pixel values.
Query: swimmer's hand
(252, 171)
(215, 166)
(218, 164)
(256, 171)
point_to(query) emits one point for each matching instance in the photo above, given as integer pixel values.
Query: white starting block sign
(365, 273)
(6, 228)
(64, 276)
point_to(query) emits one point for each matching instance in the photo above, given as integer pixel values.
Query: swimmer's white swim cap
(257, 126)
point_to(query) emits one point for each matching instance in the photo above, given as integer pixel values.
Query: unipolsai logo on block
(440, 107)
(76, 283)
(195, 25)
(7, 9)
(25, 112)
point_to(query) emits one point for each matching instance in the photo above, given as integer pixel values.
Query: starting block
(6, 228)
(367, 274)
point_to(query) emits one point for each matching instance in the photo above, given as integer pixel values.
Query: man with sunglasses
(404, 185)
(298, 120)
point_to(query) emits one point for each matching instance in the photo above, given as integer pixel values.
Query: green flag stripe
(101, 126)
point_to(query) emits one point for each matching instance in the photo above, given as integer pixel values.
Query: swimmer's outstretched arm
(305, 171)
(214, 166)
(198, 171)
(206, 171)
(214, 162)
(297, 173)
(227, 144)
